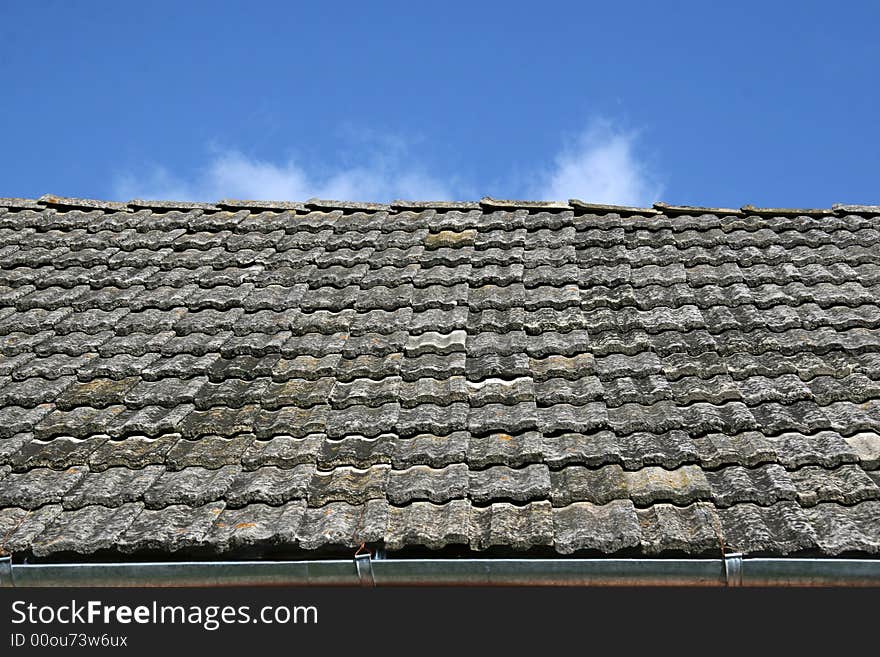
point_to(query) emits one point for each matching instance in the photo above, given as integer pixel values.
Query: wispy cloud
(232, 174)
(600, 165)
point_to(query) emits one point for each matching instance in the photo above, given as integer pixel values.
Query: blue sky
(723, 104)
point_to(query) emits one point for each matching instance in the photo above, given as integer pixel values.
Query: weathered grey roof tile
(348, 484)
(693, 529)
(569, 319)
(580, 484)
(19, 527)
(14, 419)
(321, 321)
(357, 451)
(531, 482)
(340, 523)
(365, 392)
(112, 487)
(495, 417)
(245, 367)
(439, 319)
(841, 529)
(440, 297)
(505, 449)
(519, 527)
(478, 368)
(81, 422)
(34, 321)
(764, 485)
(608, 528)
(496, 297)
(432, 419)
(170, 529)
(290, 420)
(847, 484)
(500, 391)
(781, 528)
(193, 486)
(495, 321)
(653, 484)
(368, 367)
(96, 393)
(730, 417)
(374, 344)
(421, 482)
(255, 525)
(18, 365)
(381, 298)
(154, 420)
(39, 486)
(432, 391)
(866, 446)
(361, 420)
(436, 451)
(86, 530)
(563, 367)
(269, 484)
(305, 367)
(302, 393)
(785, 389)
(284, 451)
(209, 452)
(432, 342)
(562, 391)
(619, 365)
(644, 390)
(381, 321)
(32, 392)
(314, 344)
(132, 452)
(431, 525)
(16, 343)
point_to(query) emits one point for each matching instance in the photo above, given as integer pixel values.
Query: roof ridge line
(52, 201)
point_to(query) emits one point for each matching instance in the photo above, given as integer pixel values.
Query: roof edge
(787, 212)
(623, 210)
(68, 203)
(669, 209)
(261, 206)
(64, 203)
(843, 208)
(490, 203)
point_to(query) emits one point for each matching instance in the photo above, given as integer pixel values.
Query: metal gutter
(732, 571)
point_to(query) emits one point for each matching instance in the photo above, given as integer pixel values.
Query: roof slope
(260, 377)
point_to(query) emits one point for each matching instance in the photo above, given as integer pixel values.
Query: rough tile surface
(295, 378)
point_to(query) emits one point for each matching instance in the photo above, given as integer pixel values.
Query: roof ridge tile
(403, 205)
(73, 203)
(326, 204)
(619, 209)
(787, 212)
(506, 204)
(844, 208)
(669, 209)
(258, 206)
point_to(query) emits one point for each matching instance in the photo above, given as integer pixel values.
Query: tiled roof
(252, 377)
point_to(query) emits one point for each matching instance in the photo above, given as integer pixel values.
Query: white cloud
(234, 175)
(599, 166)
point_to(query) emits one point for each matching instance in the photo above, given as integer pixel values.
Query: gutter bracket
(6, 571)
(733, 569)
(364, 564)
